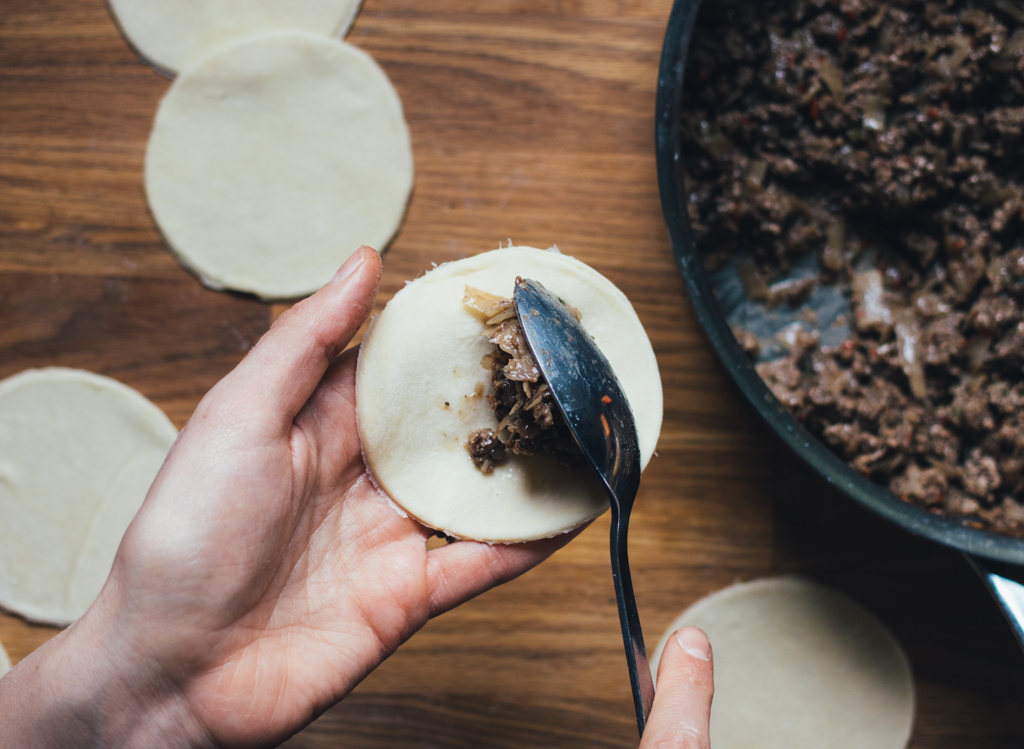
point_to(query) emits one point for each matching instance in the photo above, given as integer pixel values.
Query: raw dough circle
(800, 666)
(174, 34)
(274, 159)
(424, 351)
(77, 455)
(5, 661)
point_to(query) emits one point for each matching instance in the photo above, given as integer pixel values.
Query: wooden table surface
(531, 120)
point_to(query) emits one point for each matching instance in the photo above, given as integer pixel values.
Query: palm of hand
(312, 594)
(286, 573)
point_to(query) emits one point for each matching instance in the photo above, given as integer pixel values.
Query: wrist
(84, 688)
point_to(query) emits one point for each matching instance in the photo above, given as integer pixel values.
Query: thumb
(280, 374)
(681, 716)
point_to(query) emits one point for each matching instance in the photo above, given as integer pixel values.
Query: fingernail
(350, 266)
(694, 642)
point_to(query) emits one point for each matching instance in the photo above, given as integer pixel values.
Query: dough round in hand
(78, 453)
(174, 34)
(5, 661)
(419, 370)
(274, 159)
(801, 666)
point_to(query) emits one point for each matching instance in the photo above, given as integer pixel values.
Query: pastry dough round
(274, 159)
(800, 666)
(5, 661)
(419, 367)
(174, 34)
(77, 455)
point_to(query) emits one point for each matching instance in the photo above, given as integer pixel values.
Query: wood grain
(531, 120)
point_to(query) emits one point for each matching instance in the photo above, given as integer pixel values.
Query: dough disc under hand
(77, 455)
(419, 368)
(800, 666)
(274, 158)
(5, 661)
(173, 34)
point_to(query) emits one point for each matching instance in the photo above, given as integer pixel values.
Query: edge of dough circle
(174, 34)
(421, 391)
(78, 452)
(5, 661)
(274, 158)
(800, 664)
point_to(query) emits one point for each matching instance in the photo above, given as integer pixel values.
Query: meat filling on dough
(529, 421)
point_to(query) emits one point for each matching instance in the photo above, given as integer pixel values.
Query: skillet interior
(709, 312)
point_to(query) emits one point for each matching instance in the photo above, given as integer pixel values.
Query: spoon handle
(632, 637)
(1008, 592)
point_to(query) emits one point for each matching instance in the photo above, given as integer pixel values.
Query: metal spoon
(595, 408)
(1006, 584)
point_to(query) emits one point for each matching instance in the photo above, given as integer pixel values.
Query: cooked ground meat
(885, 138)
(485, 449)
(529, 421)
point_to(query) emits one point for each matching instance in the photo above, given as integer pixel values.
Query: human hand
(681, 716)
(265, 576)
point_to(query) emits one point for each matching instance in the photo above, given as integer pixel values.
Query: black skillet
(997, 559)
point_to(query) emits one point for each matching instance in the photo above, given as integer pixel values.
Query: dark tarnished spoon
(595, 407)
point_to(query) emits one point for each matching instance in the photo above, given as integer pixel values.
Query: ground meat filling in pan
(887, 139)
(528, 419)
